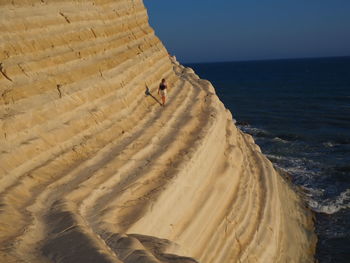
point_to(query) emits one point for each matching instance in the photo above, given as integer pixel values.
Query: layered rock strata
(93, 169)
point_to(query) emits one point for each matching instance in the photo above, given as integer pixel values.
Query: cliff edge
(93, 169)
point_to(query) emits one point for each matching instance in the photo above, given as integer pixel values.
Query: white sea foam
(312, 192)
(305, 170)
(278, 139)
(253, 130)
(333, 205)
(294, 165)
(313, 196)
(277, 157)
(329, 144)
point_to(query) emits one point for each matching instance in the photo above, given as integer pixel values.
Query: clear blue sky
(226, 30)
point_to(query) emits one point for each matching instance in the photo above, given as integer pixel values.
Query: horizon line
(265, 59)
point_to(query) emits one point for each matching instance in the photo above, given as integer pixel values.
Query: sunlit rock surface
(93, 169)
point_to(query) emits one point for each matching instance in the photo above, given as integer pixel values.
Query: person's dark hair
(163, 80)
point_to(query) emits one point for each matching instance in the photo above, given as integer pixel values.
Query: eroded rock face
(93, 169)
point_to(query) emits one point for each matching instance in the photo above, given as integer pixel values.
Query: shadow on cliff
(134, 248)
(148, 93)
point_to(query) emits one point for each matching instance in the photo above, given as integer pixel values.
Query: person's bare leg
(163, 100)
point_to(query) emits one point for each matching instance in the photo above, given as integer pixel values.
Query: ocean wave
(331, 206)
(256, 132)
(336, 143)
(330, 144)
(312, 192)
(278, 139)
(277, 157)
(301, 174)
(344, 169)
(289, 137)
(282, 137)
(290, 163)
(342, 140)
(304, 172)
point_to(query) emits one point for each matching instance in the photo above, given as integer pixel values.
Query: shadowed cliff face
(93, 169)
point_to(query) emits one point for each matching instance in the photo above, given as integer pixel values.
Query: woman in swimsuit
(163, 90)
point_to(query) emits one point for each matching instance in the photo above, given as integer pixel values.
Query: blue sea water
(298, 111)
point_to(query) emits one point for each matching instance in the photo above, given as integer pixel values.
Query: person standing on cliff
(163, 90)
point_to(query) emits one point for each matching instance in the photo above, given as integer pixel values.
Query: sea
(298, 111)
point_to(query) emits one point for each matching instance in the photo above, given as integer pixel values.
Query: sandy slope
(93, 169)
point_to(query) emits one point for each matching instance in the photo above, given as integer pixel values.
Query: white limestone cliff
(93, 169)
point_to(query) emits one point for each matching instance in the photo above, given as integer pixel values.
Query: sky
(235, 30)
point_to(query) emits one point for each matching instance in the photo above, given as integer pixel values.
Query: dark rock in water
(242, 123)
(289, 136)
(342, 141)
(343, 169)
